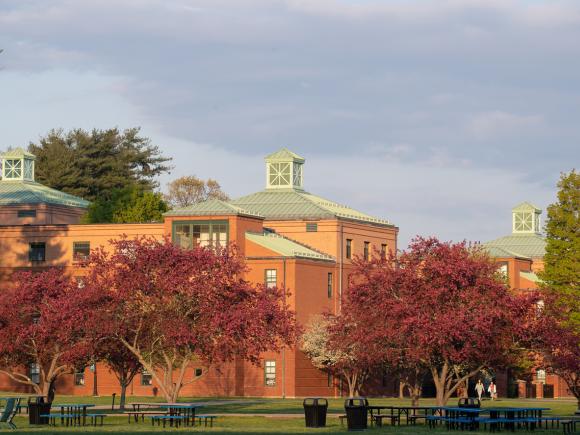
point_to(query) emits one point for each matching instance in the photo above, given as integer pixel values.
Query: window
(37, 251)
(34, 373)
(146, 378)
(523, 222)
(191, 234)
(270, 373)
(80, 378)
(198, 372)
(279, 174)
(12, 169)
(311, 228)
(297, 179)
(28, 169)
(329, 284)
(26, 213)
(81, 250)
(541, 375)
(503, 269)
(270, 278)
(383, 250)
(348, 248)
(367, 253)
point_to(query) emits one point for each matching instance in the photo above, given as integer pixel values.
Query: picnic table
(184, 411)
(138, 405)
(412, 413)
(77, 411)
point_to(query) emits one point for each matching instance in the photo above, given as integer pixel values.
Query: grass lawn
(268, 423)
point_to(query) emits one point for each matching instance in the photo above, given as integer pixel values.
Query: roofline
(289, 257)
(232, 213)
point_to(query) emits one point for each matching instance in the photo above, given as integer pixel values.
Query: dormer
(284, 170)
(526, 219)
(18, 164)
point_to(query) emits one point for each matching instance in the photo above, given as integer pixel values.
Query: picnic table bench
(136, 414)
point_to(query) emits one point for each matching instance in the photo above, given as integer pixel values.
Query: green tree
(96, 164)
(561, 273)
(128, 205)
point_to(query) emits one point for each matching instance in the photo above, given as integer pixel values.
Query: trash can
(35, 410)
(315, 411)
(356, 413)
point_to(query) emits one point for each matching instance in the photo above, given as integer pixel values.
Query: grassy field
(241, 420)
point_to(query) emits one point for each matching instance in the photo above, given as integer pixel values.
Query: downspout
(284, 348)
(340, 269)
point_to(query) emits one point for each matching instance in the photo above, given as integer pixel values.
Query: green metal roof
(212, 207)
(526, 206)
(498, 252)
(17, 153)
(521, 245)
(284, 155)
(286, 247)
(288, 204)
(530, 276)
(16, 192)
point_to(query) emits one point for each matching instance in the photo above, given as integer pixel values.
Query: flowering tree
(169, 306)
(33, 333)
(326, 343)
(438, 307)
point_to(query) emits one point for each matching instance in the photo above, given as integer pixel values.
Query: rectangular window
(329, 285)
(270, 278)
(270, 373)
(81, 250)
(34, 373)
(37, 251)
(190, 234)
(384, 250)
(367, 251)
(80, 378)
(348, 248)
(146, 378)
(311, 228)
(198, 372)
(26, 213)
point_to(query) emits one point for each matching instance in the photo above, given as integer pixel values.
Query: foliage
(170, 306)
(95, 164)
(434, 308)
(324, 343)
(33, 330)
(128, 205)
(186, 191)
(562, 260)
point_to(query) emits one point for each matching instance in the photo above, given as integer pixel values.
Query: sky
(438, 115)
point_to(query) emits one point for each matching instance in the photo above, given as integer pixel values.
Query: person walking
(492, 389)
(479, 389)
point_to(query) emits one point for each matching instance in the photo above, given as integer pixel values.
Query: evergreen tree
(96, 164)
(562, 260)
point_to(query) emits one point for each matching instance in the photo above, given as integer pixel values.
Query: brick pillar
(521, 389)
(539, 390)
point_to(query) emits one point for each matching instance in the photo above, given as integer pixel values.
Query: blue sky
(439, 115)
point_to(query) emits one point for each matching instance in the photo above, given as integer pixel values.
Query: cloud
(484, 125)
(430, 94)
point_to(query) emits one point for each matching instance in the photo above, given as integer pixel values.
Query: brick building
(521, 255)
(289, 237)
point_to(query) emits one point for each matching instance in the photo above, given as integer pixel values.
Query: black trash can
(315, 411)
(356, 413)
(36, 409)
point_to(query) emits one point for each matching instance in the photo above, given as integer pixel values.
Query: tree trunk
(123, 396)
(49, 390)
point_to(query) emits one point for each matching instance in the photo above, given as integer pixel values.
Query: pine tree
(562, 260)
(95, 164)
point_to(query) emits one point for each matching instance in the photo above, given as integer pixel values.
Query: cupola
(18, 164)
(526, 219)
(284, 170)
